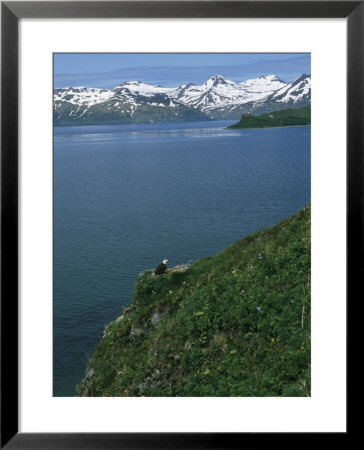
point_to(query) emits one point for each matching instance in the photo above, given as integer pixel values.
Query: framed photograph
(176, 203)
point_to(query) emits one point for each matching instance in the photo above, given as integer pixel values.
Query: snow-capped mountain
(134, 101)
(134, 92)
(258, 88)
(81, 95)
(219, 92)
(293, 95)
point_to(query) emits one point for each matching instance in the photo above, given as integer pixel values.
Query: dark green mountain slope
(236, 324)
(285, 118)
(67, 114)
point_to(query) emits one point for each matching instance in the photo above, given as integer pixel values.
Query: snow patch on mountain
(82, 95)
(137, 87)
(295, 91)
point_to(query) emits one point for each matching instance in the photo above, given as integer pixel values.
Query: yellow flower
(272, 339)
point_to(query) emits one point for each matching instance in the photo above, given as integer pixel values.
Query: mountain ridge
(139, 102)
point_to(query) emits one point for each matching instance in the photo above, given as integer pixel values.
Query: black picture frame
(11, 12)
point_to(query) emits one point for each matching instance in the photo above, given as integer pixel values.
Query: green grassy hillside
(285, 118)
(235, 324)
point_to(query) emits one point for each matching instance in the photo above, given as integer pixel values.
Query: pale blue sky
(107, 70)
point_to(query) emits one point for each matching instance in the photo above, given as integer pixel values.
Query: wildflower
(272, 339)
(234, 271)
(170, 292)
(258, 308)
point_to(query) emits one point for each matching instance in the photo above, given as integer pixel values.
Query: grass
(235, 324)
(284, 118)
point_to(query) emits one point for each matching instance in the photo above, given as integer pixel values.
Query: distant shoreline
(140, 123)
(165, 123)
(266, 128)
(144, 123)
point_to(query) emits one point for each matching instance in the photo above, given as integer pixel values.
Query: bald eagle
(161, 268)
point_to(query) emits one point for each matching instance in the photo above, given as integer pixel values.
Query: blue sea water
(127, 197)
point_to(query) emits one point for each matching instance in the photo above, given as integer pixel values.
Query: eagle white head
(165, 261)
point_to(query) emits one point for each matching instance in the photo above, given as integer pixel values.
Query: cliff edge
(235, 324)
